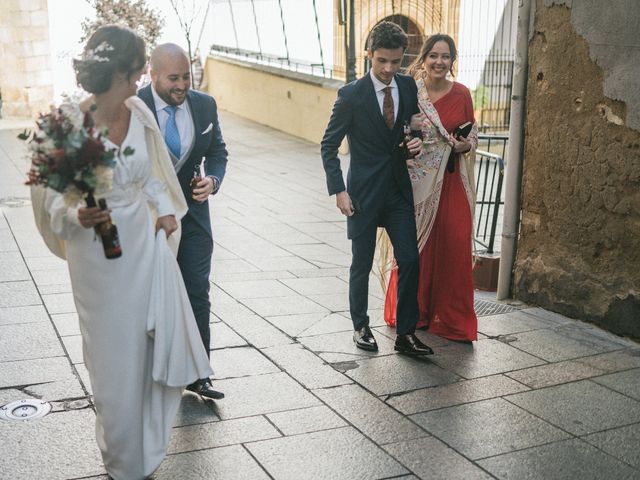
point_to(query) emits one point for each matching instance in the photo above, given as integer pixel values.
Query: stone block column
(26, 77)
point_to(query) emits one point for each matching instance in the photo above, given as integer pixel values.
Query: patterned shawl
(427, 174)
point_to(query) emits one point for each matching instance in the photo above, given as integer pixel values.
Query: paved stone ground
(539, 396)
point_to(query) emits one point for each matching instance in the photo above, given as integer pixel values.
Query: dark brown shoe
(204, 388)
(411, 345)
(364, 339)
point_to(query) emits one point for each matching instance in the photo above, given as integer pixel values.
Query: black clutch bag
(463, 130)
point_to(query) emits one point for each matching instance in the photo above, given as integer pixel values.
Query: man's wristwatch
(216, 184)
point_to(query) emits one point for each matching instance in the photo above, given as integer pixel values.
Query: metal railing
(489, 172)
(284, 63)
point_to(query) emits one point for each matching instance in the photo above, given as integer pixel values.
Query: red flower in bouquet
(68, 154)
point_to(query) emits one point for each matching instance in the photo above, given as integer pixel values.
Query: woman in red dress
(444, 198)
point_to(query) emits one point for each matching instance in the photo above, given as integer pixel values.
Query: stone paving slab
(458, 393)
(391, 374)
(37, 340)
(224, 337)
(261, 394)
(337, 454)
(429, 458)
(559, 461)
(306, 420)
(305, 367)
(301, 401)
(221, 434)
(555, 373)
(18, 294)
(563, 343)
(369, 414)
(484, 357)
(228, 463)
(240, 362)
(13, 267)
(66, 324)
(488, 428)
(22, 315)
(615, 361)
(627, 383)
(621, 443)
(581, 407)
(60, 444)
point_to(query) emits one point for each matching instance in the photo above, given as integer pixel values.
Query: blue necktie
(171, 135)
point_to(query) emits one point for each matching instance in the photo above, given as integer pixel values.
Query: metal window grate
(485, 307)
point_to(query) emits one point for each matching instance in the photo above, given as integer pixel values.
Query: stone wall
(26, 79)
(579, 251)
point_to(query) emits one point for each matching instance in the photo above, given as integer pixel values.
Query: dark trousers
(398, 219)
(194, 258)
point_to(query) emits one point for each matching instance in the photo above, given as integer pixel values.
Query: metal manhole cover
(23, 410)
(484, 307)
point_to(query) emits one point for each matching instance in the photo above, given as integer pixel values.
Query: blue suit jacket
(209, 146)
(375, 158)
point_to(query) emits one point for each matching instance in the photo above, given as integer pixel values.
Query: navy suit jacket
(209, 145)
(375, 158)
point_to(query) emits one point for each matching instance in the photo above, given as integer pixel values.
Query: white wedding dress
(140, 342)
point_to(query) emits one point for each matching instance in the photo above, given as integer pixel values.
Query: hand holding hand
(204, 188)
(343, 202)
(168, 223)
(89, 217)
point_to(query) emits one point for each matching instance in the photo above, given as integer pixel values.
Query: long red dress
(445, 287)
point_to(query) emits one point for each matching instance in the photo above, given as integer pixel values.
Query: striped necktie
(171, 135)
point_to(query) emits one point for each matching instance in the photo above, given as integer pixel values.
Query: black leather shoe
(204, 388)
(411, 345)
(363, 339)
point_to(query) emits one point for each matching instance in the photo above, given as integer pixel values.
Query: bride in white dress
(141, 345)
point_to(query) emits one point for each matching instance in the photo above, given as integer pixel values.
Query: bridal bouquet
(68, 154)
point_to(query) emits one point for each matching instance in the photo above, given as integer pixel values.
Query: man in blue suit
(371, 112)
(188, 121)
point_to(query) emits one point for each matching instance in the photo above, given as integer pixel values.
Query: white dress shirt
(184, 121)
(379, 88)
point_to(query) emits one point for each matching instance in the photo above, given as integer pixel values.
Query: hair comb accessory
(93, 54)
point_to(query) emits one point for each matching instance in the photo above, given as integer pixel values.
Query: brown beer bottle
(196, 178)
(407, 138)
(109, 235)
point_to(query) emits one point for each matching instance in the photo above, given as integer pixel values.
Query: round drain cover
(23, 410)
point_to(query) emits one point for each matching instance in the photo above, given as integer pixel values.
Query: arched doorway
(415, 40)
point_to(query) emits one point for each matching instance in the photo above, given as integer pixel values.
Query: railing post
(496, 206)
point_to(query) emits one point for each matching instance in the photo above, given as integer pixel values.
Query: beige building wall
(294, 103)
(579, 251)
(26, 82)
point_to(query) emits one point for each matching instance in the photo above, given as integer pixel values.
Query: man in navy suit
(188, 121)
(371, 112)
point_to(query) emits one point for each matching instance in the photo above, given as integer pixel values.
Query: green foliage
(135, 14)
(480, 97)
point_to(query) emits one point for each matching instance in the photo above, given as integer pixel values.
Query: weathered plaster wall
(579, 252)
(26, 79)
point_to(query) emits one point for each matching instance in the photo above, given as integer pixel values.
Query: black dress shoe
(411, 345)
(363, 339)
(204, 388)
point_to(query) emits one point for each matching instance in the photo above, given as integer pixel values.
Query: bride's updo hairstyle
(111, 49)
